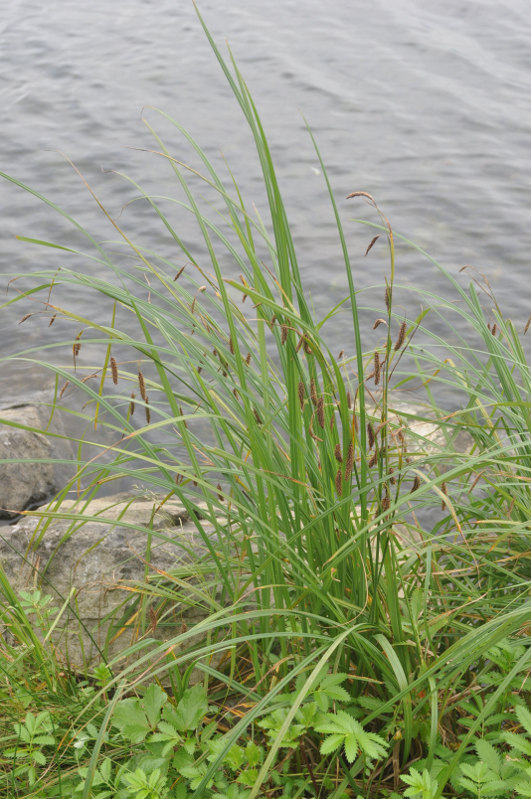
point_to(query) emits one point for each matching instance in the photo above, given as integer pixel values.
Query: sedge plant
(342, 539)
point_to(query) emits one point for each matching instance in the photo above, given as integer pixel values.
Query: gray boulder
(97, 570)
(34, 476)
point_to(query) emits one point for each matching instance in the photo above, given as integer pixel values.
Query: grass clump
(364, 587)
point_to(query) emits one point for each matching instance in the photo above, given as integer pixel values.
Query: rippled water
(426, 106)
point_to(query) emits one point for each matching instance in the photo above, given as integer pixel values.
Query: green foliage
(142, 786)
(352, 629)
(422, 786)
(344, 731)
(34, 737)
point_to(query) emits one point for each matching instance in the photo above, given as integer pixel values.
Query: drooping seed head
(77, 345)
(376, 369)
(153, 619)
(401, 336)
(371, 435)
(142, 385)
(388, 297)
(132, 404)
(114, 371)
(371, 245)
(283, 334)
(300, 390)
(148, 412)
(339, 483)
(350, 460)
(444, 489)
(320, 412)
(337, 453)
(313, 391)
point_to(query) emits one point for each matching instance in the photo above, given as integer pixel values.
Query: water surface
(425, 106)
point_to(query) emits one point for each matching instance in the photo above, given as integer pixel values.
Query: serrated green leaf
(189, 746)
(489, 755)
(421, 784)
(190, 772)
(351, 747)
(331, 743)
(190, 710)
(370, 702)
(469, 785)
(322, 701)
(338, 694)
(131, 720)
(44, 740)
(372, 745)
(306, 714)
(518, 742)
(166, 731)
(22, 732)
(152, 703)
(330, 680)
(248, 777)
(181, 759)
(106, 769)
(522, 789)
(166, 734)
(234, 757)
(478, 771)
(254, 754)
(524, 717)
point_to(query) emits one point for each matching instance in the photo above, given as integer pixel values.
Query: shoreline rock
(40, 473)
(101, 564)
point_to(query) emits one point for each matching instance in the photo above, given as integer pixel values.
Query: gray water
(425, 105)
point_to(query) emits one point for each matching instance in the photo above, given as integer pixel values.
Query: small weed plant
(364, 582)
